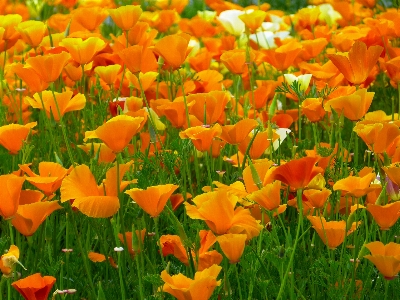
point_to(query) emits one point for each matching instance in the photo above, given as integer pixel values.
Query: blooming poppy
(353, 106)
(48, 67)
(34, 287)
(96, 257)
(32, 32)
(153, 199)
(10, 192)
(355, 186)
(298, 173)
(12, 136)
(138, 59)
(9, 22)
(209, 107)
(142, 81)
(253, 20)
(260, 144)
(50, 176)
(386, 258)
(236, 60)
(80, 15)
(217, 209)
(231, 22)
(64, 102)
(317, 198)
(125, 17)
(358, 63)
(30, 216)
(235, 134)
(8, 260)
(30, 77)
(179, 43)
(201, 136)
(176, 111)
(199, 288)
(117, 132)
(393, 69)
(108, 73)
(313, 109)
(386, 215)
(283, 57)
(83, 51)
(268, 197)
(133, 242)
(393, 172)
(332, 233)
(232, 245)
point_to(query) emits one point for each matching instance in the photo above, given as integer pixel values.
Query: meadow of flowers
(205, 150)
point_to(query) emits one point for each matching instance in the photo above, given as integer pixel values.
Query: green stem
(238, 281)
(158, 242)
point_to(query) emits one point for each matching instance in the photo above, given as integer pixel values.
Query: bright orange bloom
(253, 20)
(34, 287)
(12, 136)
(217, 209)
(209, 107)
(298, 172)
(83, 51)
(30, 77)
(138, 59)
(199, 288)
(331, 233)
(48, 67)
(358, 63)
(385, 216)
(89, 17)
(236, 61)
(173, 49)
(235, 134)
(268, 197)
(353, 106)
(125, 17)
(197, 27)
(264, 171)
(232, 245)
(386, 258)
(133, 242)
(96, 257)
(92, 200)
(117, 132)
(32, 32)
(142, 81)
(108, 73)
(393, 69)
(355, 186)
(393, 171)
(312, 108)
(283, 57)
(8, 260)
(317, 198)
(260, 143)
(176, 112)
(64, 101)
(10, 191)
(312, 48)
(153, 199)
(201, 136)
(9, 22)
(30, 216)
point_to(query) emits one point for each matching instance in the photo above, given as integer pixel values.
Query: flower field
(193, 150)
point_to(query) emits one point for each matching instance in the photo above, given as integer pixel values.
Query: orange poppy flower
(32, 32)
(312, 48)
(172, 245)
(64, 101)
(317, 198)
(235, 134)
(209, 107)
(9, 22)
(125, 17)
(178, 43)
(393, 172)
(12, 136)
(108, 73)
(268, 197)
(89, 18)
(253, 20)
(298, 172)
(50, 176)
(232, 245)
(142, 81)
(353, 106)
(34, 287)
(10, 191)
(30, 216)
(386, 258)
(30, 77)
(201, 287)
(83, 51)
(358, 63)
(260, 144)
(117, 132)
(283, 57)
(386, 215)
(92, 200)
(217, 209)
(133, 243)
(312, 108)
(153, 199)
(96, 257)
(48, 67)
(393, 69)
(8, 260)
(176, 112)
(331, 233)
(355, 186)
(236, 61)
(201, 136)
(198, 27)
(138, 59)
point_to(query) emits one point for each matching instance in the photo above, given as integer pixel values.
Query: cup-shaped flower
(201, 136)
(268, 197)
(259, 145)
(135, 242)
(8, 260)
(217, 209)
(332, 233)
(153, 199)
(302, 80)
(10, 191)
(355, 186)
(125, 17)
(283, 57)
(317, 198)
(313, 109)
(32, 32)
(138, 59)
(30, 77)
(209, 107)
(235, 134)
(108, 73)
(83, 51)
(236, 61)
(254, 19)
(176, 112)
(393, 172)
(386, 258)
(199, 288)
(298, 172)
(34, 287)
(353, 106)
(89, 18)
(230, 20)
(393, 69)
(358, 63)
(64, 101)
(173, 49)
(386, 215)
(117, 132)
(30, 216)
(12, 136)
(232, 245)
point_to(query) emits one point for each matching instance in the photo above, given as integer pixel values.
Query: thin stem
(158, 242)
(238, 281)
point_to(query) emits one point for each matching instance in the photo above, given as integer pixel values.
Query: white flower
(231, 22)
(283, 133)
(303, 80)
(118, 249)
